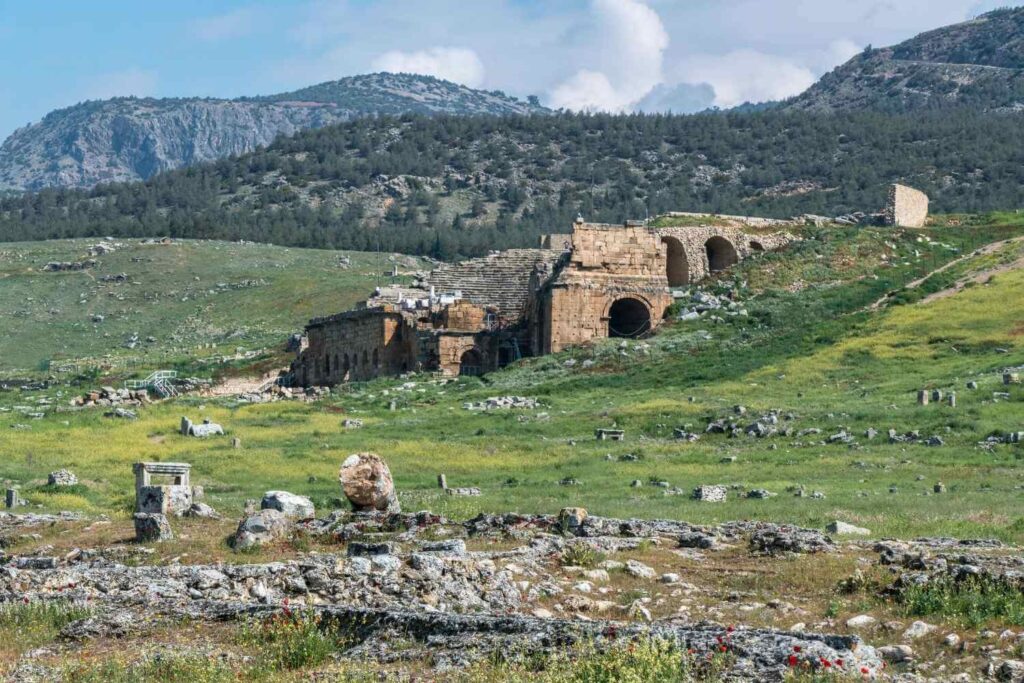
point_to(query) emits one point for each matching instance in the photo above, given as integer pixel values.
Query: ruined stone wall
(906, 208)
(608, 263)
(463, 316)
(358, 346)
(694, 241)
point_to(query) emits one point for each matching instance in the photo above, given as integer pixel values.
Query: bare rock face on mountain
(977, 64)
(127, 139)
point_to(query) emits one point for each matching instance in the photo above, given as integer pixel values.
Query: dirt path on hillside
(977, 278)
(234, 386)
(960, 284)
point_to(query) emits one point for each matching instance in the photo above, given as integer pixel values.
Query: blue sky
(582, 54)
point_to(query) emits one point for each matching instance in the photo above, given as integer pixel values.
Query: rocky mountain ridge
(977, 64)
(130, 139)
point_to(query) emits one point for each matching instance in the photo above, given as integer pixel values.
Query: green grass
(808, 347)
(291, 640)
(196, 299)
(24, 625)
(973, 601)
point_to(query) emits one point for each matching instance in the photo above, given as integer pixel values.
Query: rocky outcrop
(977, 63)
(127, 139)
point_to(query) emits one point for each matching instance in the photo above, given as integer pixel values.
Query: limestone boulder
(62, 478)
(367, 483)
(151, 527)
(260, 528)
(288, 504)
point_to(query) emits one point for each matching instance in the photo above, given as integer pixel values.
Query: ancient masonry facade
(906, 208)
(479, 315)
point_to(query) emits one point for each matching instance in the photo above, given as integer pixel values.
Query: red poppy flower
(796, 648)
(792, 660)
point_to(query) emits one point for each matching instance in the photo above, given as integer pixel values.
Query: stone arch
(678, 266)
(336, 365)
(327, 365)
(471, 363)
(366, 359)
(376, 359)
(346, 367)
(756, 246)
(721, 253)
(628, 317)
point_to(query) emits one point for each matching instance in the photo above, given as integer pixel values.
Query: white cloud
(456, 64)
(840, 51)
(747, 76)
(622, 46)
(236, 24)
(132, 81)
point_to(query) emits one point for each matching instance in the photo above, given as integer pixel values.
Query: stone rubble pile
(503, 402)
(109, 396)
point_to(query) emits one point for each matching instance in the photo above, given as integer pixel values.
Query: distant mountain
(127, 138)
(977, 64)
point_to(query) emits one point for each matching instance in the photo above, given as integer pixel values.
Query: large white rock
(842, 528)
(288, 504)
(260, 528)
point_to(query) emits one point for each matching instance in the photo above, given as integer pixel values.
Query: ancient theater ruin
(479, 315)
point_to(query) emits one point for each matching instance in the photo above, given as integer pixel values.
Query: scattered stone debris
(710, 494)
(774, 540)
(61, 478)
(66, 266)
(351, 423)
(207, 428)
(683, 435)
(109, 396)
(604, 434)
(464, 491)
(503, 402)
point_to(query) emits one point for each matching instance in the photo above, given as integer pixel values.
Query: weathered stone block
(152, 527)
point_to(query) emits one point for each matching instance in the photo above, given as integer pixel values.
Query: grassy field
(809, 348)
(183, 301)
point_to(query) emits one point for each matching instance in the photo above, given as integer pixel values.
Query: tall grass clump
(972, 601)
(28, 624)
(292, 640)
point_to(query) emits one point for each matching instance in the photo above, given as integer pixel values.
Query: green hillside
(182, 301)
(812, 348)
(462, 185)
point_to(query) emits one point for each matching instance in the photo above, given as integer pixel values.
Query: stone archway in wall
(471, 363)
(628, 318)
(721, 254)
(677, 267)
(756, 246)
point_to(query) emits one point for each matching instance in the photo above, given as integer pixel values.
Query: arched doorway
(678, 268)
(721, 253)
(628, 318)
(471, 364)
(756, 246)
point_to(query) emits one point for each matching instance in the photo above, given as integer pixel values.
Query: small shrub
(581, 555)
(292, 640)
